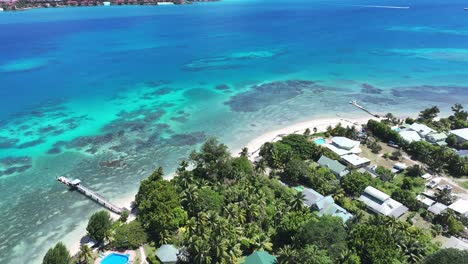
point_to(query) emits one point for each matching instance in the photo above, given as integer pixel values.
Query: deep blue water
(107, 93)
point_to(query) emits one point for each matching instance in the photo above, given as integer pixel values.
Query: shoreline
(299, 128)
(253, 145)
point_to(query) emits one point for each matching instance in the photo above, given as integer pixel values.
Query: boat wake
(388, 7)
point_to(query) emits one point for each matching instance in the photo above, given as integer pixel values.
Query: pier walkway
(363, 109)
(76, 184)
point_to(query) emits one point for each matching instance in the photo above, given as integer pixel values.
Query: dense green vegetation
(99, 225)
(449, 255)
(57, 255)
(219, 208)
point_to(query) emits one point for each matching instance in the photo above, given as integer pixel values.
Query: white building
(355, 161)
(410, 135)
(426, 202)
(460, 206)
(461, 134)
(454, 242)
(106, 3)
(422, 130)
(343, 146)
(381, 203)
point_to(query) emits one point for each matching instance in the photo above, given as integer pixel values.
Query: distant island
(21, 5)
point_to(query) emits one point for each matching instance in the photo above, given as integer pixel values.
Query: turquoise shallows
(319, 141)
(105, 94)
(115, 258)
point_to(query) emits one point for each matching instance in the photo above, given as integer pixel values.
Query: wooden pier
(354, 102)
(76, 185)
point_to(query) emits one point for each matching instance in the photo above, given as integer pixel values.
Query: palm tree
(165, 237)
(260, 166)
(261, 242)
(253, 212)
(189, 197)
(108, 237)
(182, 166)
(297, 202)
(85, 255)
(412, 249)
(244, 152)
(200, 251)
(287, 255)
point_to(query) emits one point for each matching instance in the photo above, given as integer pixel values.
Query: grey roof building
(422, 129)
(327, 206)
(462, 153)
(381, 203)
(437, 138)
(437, 208)
(324, 205)
(311, 196)
(337, 168)
(454, 242)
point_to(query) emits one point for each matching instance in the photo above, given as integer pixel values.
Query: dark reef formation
(370, 89)
(263, 95)
(12, 165)
(432, 93)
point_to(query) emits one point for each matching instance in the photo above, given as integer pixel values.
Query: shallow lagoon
(107, 94)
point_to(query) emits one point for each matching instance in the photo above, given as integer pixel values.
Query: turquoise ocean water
(105, 94)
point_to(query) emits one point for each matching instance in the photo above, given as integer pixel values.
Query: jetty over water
(354, 102)
(76, 185)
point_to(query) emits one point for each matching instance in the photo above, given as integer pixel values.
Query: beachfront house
(167, 254)
(324, 205)
(354, 161)
(381, 203)
(437, 208)
(343, 146)
(460, 134)
(410, 136)
(421, 129)
(260, 257)
(460, 207)
(337, 168)
(327, 206)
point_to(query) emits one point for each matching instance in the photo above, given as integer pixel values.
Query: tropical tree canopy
(98, 225)
(57, 255)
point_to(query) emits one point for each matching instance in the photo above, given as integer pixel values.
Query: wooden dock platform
(76, 185)
(354, 102)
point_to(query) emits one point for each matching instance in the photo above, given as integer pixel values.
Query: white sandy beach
(253, 146)
(320, 124)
